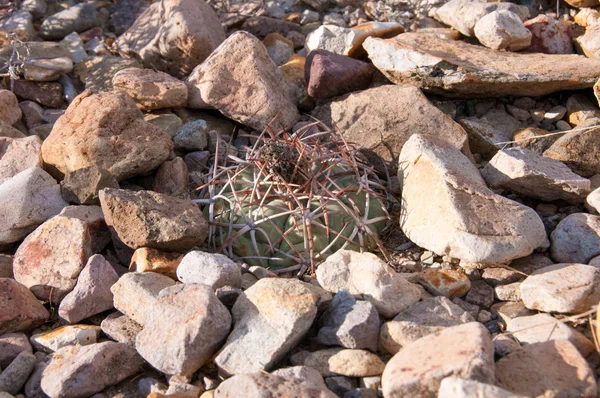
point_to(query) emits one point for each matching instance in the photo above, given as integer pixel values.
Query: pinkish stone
(549, 36)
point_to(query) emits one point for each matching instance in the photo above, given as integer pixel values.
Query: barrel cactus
(294, 201)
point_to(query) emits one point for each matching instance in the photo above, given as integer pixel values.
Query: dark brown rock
(49, 94)
(172, 179)
(82, 186)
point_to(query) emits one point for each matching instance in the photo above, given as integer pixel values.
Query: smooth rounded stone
(305, 374)
(19, 154)
(465, 350)
(342, 361)
(77, 371)
(243, 61)
(212, 269)
(172, 179)
(448, 209)
(146, 259)
(348, 41)
(576, 239)
(523, 171)
(169, 122)
(193, 136)
(592, 201)
(510, 292)
(91, 294)
(76, 18)
(279, 48)
(367, 276)
(449, 283)
(552, 368)
(269, 319)
(457, 387)
(187, 325)
(565, 288)
(9, 107)
(501, 30)
(421, 319)
(555, 113)
(64, 336)
(19, 309)
(396, 112)
(549, 36)
(170, 224)
(108, 131)
(350, 323)
(81, 186)
(15, 375)
(173, 36)
(136, 293)
(543, 327)
(151, 89)
(329, 75)
(255, 385)
(481, 294)
(121, 328)
(576, 149)
(11, 345)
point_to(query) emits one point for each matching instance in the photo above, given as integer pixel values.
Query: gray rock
(193, 136)
(76, 18)
(212, 269)
(480, 294)
(15, 375)
(341, 385)
(121, 328)
(82, 185)
(19, 309)
(33, 388)
(11, 345)
(576, 239)
(350, 323)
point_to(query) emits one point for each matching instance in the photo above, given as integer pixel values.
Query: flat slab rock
(460, 69)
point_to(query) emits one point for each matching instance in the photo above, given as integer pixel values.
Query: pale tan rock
(242, 61)
(396, 113)
(263, 384)
(106, 130)
(146, 259)
(587, 17)
(18, 154)
(64, 336)
(501, 30)
(577, 150)
(583, 3)
(466, 70)
(173, 36)
(418, 369)
(121, 328)
(448, 209)
(552, 368)
(151, 90)
(345, 362)
(9, 107)
(590, 41)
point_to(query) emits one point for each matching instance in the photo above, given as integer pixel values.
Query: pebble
(448, 283)
(345, 362)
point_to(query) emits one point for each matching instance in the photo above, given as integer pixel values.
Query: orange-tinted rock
(151, 260)
(449, 283)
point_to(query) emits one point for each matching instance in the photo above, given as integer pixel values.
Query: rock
(576, 239)
(11, 345)
(77, 371)
(261, 27)
(194, 135)
(260, 384)
(97, 71)
(146, 259)
(534, 139)
(525, 172)
(279, 48)
(169, 122)
(348, 41)
(592, 201)
(19, 154)
(580, 108)
(48, 94)
(543, 327)
(293, 72)
(587, 17)
(15, 375)
(173, 36)
(81, 186)
(243, 61)
(94, 220)
(589, 42)
(329, 75)
(270, 318)
(510, 292)
(91, 294)
(582, 3)
(151, 90)
(50, 259)
(105, 130)
(449, 283)
(364, 274)
(121, 328)
(565, 288)
(418, 369)
(461, 217)
(576, 149)
(136, 293)
(421, 319)
(345, 362)
(212, 269)
(549, 36)
(6, 130)
(502, 29)
(77, 18)
(460, 388)
(184, 329)
(549, 368)
(172, 179)
(302, 373)
(463, 15)
(396, 113)
(20, 310)
(431, 63)
(490, 132)
(10, 112)
(350, 323)
(501, 276)
(171, 224)
(64, 336)
(19, 23)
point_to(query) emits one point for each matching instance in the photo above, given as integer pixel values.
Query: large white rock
(503, 29)
(448, 209)
(521, 170)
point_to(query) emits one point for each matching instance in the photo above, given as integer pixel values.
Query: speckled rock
(19, 309)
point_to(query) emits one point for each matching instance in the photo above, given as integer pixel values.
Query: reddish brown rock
(172, 179)
(19, 309)
(449, 283)
(549, 36)
(9, 107)
(49, 94)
